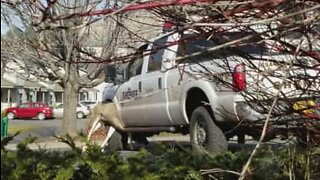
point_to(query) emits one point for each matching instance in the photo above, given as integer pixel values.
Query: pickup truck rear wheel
(205, 135)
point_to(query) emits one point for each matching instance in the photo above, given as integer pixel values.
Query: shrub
(159, 162)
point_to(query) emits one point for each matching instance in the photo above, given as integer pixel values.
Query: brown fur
(104, 114)
(108, 114)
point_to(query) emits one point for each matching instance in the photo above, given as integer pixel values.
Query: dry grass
(22, 128)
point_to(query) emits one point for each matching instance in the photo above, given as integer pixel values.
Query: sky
(4, 28)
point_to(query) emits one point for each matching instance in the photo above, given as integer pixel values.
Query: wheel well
(106, 101)
(10, 112)
(195, 98)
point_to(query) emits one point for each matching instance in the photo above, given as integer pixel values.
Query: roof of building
(5, 83)
(57, 88)
(89, 90)
(32, 84)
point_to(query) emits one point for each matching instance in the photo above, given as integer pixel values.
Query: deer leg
(96, 125)
(130, 141)
(109, 134)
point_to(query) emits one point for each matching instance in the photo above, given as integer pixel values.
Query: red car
(30, 110)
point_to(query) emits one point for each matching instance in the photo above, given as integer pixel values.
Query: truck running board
(149, 129)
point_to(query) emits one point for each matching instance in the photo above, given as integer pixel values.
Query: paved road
(42, 129)
(49, 128)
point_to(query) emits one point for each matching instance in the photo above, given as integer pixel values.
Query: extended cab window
(253, 46)
(191, 44)
(156, 56)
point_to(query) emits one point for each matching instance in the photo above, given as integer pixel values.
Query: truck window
(135, 66)
(253, 46)
(193, 45)
(202, 45)
(156, 56)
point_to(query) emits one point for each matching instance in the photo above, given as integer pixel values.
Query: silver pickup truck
(178, 83)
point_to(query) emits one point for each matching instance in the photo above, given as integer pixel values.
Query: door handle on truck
(159, 83)
(140, 86)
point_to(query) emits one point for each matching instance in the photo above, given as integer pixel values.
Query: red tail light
(167, 26)
(239, 78)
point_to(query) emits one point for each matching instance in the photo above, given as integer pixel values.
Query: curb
(60, 146)
(52, 146)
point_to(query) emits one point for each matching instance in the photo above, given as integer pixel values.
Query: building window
(58, 96)
(4, 95)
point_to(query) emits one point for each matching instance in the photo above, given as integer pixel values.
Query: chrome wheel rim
(80, 115)
(41, 116)
(201, 135)
(10, 116)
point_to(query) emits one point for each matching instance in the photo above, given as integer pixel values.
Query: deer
(105, 114)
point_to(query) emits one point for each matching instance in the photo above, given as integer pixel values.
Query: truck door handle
(140, 86)
(159, 83)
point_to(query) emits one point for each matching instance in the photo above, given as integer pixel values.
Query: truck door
(154, 89)
(129, 93)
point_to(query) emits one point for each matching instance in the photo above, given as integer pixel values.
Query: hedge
(157, 163)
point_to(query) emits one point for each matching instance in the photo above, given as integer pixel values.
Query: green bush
(159, 162)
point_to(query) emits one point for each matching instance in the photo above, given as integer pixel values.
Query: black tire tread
(114, 143)
(217, 142)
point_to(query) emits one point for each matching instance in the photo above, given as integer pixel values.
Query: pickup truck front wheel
(205, 135)
(115, 142)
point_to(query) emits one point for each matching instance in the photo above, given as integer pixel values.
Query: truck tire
(140, 138)
(205, 135)
(114, 143)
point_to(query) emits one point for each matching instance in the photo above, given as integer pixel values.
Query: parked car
(30, 110)
(82, 111)
(90, 104)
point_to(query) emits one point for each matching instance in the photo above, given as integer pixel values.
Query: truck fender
(197, 86)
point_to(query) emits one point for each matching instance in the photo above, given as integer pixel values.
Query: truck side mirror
(110, 73)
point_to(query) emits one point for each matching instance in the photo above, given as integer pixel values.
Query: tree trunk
(69, 122)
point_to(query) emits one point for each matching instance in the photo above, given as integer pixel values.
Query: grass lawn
(23, 128)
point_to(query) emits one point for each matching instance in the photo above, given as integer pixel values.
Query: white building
(15, 90)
